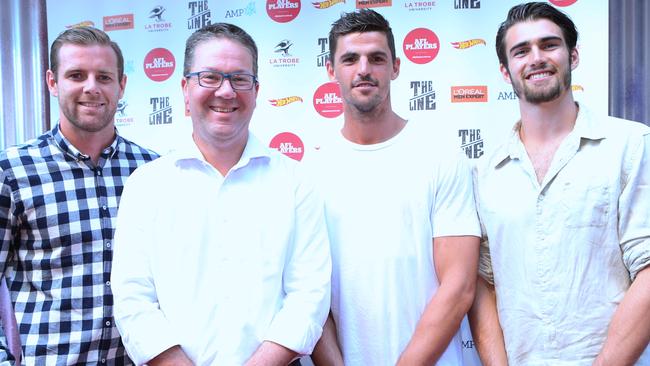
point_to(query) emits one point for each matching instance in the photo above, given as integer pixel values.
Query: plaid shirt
(57, 212)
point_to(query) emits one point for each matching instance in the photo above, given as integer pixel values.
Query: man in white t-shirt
(400, 214)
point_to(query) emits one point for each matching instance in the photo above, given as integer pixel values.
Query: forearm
(327, 351)
(629, 332)
(438, 324)
(486, 329)
(271, 354)
(171, 357)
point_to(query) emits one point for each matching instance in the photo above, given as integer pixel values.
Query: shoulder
(28, 153)
(134, 151)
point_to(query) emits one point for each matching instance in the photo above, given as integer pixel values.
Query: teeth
(223, 110)
(540, 76)
(94, 105)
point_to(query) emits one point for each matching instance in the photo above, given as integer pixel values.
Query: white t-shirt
(384, 203)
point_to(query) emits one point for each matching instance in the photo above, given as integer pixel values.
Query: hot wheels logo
(467, 44)
(284, 101)
(85, 23)
(327, 3)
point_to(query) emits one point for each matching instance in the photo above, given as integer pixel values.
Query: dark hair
(535, 11)
(215, 31)
(364, 20)
(84, 36)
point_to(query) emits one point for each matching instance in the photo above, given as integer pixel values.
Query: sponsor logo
(424, 96)
(118, 22)
(289, 144)
(468, 343)
(122, 119)
(283, 11)
(421, 45)
(362, 4)
(284, 101)
(159, 64)
(471, 143)
(199, 14)
(467, 4)
(236, 13)
(563, 2)
(469, 94)
(159, 24)
(84, 23)
(327, 100)
(286, 60)
(419, 5)
(507, 95)
(577, 88)
(467, 44)
(161, 111)
(324, 55)
(326, 4)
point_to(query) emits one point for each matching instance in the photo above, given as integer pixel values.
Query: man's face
(539, 62)
(364, 68)
(87, 87)
(220, 117)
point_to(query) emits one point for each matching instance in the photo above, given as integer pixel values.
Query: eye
(378, 59)
(104, 78)
(519, 52)
(75, 76)
(349, 59)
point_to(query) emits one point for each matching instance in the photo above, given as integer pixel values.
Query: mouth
(223, 110)
(364, 84)
(538, 75)
(92, 104)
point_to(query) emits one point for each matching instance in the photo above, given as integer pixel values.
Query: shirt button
(108, 323)
(103, 360)
(108, 283)
(104, 207)
(108, 244)
(99, 172)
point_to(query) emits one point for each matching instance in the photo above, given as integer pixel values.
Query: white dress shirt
(219, 264)
(564, 252)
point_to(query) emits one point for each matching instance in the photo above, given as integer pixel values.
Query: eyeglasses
(214, 79)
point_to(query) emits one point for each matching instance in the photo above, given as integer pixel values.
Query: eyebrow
(542, 40)
(375, 53)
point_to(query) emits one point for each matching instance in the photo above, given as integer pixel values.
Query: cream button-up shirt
(563, 253)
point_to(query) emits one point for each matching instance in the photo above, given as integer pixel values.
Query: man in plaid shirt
(58, 201)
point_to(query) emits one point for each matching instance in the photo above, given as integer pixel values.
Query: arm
(171, 357)
(306, 279)
(143, 326)
(629, 332)
(271, 354)
(327, 351)
(486, 330)
(456, 262)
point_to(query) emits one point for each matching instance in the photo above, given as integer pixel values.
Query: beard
(542, 94)
(367, 104)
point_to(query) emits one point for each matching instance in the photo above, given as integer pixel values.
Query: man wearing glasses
(221, 256)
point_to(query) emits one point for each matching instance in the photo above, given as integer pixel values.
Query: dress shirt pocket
(586, 203)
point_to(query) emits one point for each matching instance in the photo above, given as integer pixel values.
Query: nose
(537, 56)
(225, 90)
(91, 86)
(364, 66)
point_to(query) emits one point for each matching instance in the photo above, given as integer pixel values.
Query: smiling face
(220, 117)
(87, 88)
(364, 69)
(539, 62)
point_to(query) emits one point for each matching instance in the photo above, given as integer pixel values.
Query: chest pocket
(586, 203)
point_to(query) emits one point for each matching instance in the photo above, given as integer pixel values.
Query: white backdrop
(449, 73)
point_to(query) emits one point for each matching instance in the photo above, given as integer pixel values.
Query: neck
(89, 143)
(547, 121)
(221, 157)
(372, 127)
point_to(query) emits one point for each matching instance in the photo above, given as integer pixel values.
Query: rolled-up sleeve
(634, 207)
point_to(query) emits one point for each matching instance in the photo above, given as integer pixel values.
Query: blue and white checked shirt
(57, 215)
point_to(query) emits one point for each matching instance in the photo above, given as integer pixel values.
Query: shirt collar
(584, 128)
(70, 150)
(254, 149)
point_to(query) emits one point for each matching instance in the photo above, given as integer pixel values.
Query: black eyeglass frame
(224, 76)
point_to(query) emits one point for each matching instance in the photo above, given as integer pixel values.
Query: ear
(396, 66)
(51, 83)
(186, 98)
(574, 57)
(330, 70)
(122, 85)
(505, 73)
